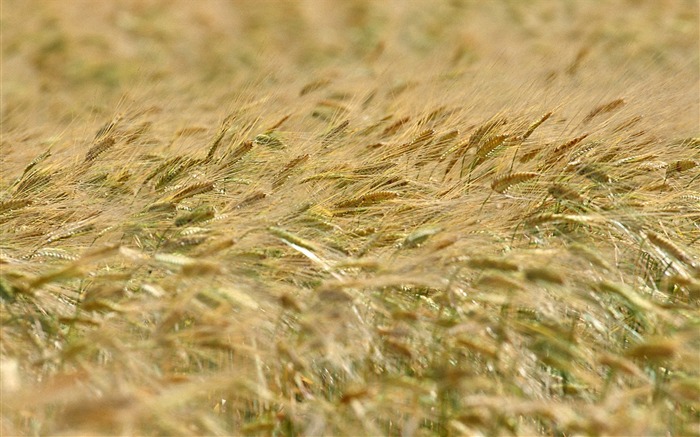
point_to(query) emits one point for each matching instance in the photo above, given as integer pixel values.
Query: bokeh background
(63, 60)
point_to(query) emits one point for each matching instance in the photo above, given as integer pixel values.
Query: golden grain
(279, 123)
(492, 263)
(536, 124)
(335, 132)
(485, 130)
(562, 149)
(488, 147)
(78, 228)
(200, 214)
(288, 236)
(543, 274)
(217, 140)
(314, 86)
(660, 349)
(419, 236)
(192, 190)
(669, 247)
(33, 181)
(504, 183)
(173, 171)
(562, 192)
(258, 195)
(680, 165)
(99, 149)
(55, 253)
(394, 127)
(627, 124)
(301, 266)
(422, 138)
(282, 176)
(604, 109)
(366, 199)
(269, 140)
(41, 157)
(12, 205)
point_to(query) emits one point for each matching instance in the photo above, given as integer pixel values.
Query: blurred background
(77, 59)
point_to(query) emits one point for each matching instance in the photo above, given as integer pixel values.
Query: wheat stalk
(33, 181)
(367, 199)
(174, 170)
(282, 176)
(604, 109)
(71, 230)
(192, 190)
(294, 239)
(374, 169)
(13, 205)
(331, 135)
(543, 274)
(680, 165)
(258, 195)
(483, 263)
(488, 147)
(278, 123)
(486, 129)
(41, 157)
(506, 182)
(394, 127)
(422, 138)
(238, 153)
(669, 247)
(536, 124)
(200, 214)
(563, 148)
(99, 149)
(628, 123)
(217, 139)
(314, 86)
(562, 192)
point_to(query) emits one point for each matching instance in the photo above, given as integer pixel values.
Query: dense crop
(350, 218)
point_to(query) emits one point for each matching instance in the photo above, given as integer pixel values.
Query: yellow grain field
(350, 218)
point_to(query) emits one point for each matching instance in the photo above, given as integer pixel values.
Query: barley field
(358, 218)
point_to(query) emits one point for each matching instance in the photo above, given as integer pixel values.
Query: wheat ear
(505, 182)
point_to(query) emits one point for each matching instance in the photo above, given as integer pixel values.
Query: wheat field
(358, 217)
